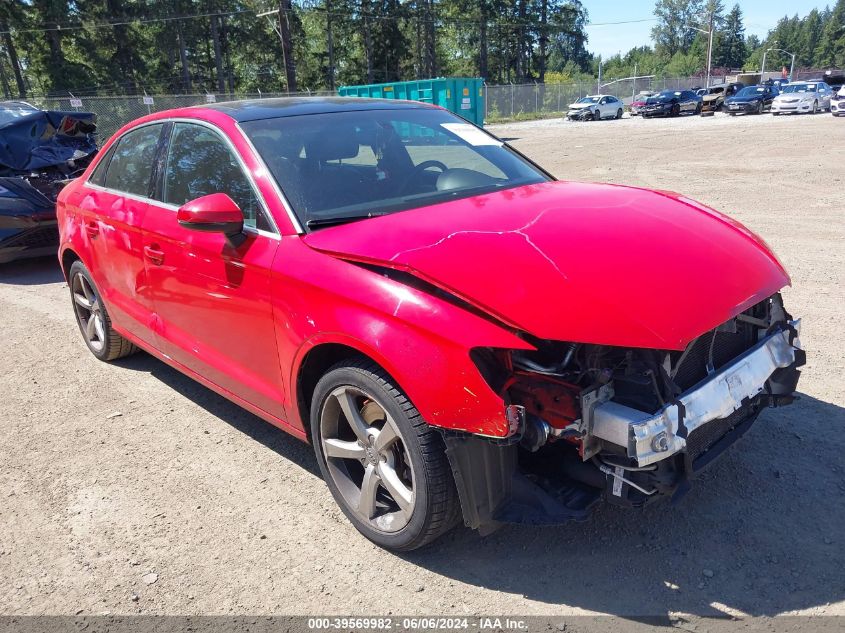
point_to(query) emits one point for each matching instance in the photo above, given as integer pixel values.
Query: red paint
(567, 261)
(214, 210)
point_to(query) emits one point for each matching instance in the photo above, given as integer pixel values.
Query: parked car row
(778, 97)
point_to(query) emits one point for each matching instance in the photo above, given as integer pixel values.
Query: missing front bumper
(768, 371)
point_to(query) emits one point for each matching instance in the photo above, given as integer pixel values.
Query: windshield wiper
(341, 219)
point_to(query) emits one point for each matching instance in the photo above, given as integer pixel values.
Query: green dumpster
(462, 95)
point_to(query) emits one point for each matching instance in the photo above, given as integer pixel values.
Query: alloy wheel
(89, 312)
(367, 459)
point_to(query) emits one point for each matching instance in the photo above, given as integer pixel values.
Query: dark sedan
(39, 151)
(672, 103)
(752, 100)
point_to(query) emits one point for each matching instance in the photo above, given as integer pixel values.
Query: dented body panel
(571, 261)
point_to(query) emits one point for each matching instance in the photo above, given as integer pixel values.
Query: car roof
(255, 109)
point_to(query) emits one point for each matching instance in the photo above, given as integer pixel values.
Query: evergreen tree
(732, 51)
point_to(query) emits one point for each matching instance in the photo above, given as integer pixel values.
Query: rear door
(212, 296)
(112, 208)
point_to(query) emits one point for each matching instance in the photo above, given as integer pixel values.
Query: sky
(609, 39)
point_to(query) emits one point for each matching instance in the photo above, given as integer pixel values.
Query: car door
(603, 108)
(824, 96)
(112, 206)
(212, 293)
(769, 96)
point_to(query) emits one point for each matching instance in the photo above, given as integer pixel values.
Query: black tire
(676, 110)
(760, 108)
(698, 109)
(590, 116)
(619, 114)
(815, 107)
(436, 508)
(109, 344)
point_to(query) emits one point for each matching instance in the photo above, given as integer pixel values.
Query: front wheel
(698, 109)
(760, 108)
(815, 107)
(676, 110)
(590, 116)
(385, 467)
(93, 318)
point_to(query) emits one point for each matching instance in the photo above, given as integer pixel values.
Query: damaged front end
(628, 425)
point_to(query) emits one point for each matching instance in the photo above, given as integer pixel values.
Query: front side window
(200, 163)
(131, 164)
(342, 165)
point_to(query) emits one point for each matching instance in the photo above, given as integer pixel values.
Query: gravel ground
(128, 488)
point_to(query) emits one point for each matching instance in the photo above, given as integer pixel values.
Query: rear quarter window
(130, 166)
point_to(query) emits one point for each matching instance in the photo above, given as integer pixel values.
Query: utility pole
(598, 83)
(285, 8)
(710, 46)
(330, 43)
(282, 29)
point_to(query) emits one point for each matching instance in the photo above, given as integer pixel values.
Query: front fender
(421, 340)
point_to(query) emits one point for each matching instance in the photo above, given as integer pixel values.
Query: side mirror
(215, 213)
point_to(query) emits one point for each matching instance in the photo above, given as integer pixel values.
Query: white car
(595, 107)
(837, 103)
(803, 96)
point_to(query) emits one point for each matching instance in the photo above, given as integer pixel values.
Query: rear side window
(99, 175)
(200, 163)
(131, 163)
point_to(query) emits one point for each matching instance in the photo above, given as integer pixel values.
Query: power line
(310, 5)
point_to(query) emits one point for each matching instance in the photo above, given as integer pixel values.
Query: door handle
(92, 229)
(154, 255)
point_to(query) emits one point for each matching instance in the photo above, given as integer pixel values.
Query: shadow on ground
(760, 533)
(31, 272)
(250, 425)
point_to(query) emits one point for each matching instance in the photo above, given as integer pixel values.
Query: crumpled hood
(571, 261)
(580, 106)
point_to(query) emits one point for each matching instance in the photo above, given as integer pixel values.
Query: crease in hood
(568, 261)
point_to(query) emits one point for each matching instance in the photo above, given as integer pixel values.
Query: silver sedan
(803, 96)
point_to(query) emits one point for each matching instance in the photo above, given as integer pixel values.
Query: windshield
(667, 94)
(588, 100)
(347, 165)
(751, 91)
(799, 88)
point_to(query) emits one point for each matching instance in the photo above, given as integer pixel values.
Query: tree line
(229, 46)
(84, 47)
(681, 38)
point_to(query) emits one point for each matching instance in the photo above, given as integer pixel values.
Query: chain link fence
(530, 101)
(113, 112)
(503, 102)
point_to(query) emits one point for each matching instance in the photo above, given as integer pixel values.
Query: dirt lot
(128, 488)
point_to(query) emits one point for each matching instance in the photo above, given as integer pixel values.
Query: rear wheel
(93, 318)
(619, 113)
(676, 110)
(698, 109)
(385, 466)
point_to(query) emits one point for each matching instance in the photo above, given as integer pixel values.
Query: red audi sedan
(459, 335)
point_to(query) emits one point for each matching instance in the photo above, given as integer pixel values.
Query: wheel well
(68, 257)
(314, 366)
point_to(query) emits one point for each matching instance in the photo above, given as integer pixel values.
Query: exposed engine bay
(629, 425)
